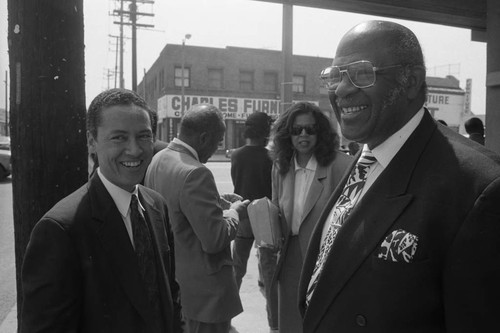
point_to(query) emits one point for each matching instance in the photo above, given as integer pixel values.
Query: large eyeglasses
(360, 73)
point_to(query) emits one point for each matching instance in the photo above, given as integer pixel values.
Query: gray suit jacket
(202, 235)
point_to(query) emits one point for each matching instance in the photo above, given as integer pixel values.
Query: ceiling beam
(469, 14)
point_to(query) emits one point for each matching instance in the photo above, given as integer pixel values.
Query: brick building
(240, 81)
(237, 80)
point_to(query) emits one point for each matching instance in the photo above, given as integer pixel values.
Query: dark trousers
(193, 326)
(267, 260)
(242, 247)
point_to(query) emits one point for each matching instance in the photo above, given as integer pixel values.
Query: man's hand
(241, 208)
(231, 197)
(226, 199)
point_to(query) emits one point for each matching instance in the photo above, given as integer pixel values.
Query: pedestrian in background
(251, 175)
(101, 260)
(475, 128)
(410, 240)
(307, 169)
(203, 231)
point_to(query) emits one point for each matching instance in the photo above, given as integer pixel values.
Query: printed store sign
(169, 106)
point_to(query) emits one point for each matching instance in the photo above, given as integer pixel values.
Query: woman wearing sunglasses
(307, 168)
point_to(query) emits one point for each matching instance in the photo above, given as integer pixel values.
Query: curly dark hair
(327, 139)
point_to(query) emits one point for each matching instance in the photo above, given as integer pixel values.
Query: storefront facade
(238, 81)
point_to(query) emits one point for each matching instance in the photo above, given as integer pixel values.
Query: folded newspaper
(265, 222)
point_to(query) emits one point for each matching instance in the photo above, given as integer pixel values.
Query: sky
(252, 24)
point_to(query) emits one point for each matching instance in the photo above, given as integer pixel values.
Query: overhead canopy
(470, 14)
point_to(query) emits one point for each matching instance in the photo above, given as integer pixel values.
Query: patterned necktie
(145, 254)
(341, 210)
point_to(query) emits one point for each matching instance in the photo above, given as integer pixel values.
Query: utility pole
(6, 110)
(133, 15)
(187, 36)
(47, 118)
(122, 82)
(287, 55)
(133, 20)
(116, 50)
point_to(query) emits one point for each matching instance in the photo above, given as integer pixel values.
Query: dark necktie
(145, 255)
(341, 209)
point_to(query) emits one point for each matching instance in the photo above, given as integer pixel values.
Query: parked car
(5, 166)
(4, 142)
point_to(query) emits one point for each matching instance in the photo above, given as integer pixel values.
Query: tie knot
(134, 199)
(134, 202)
(367, 158)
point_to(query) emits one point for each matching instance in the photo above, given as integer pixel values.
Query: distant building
(446, 101)
(240, 81)
(237, 80)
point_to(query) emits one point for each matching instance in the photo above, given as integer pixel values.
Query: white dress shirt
(188, 147)
(122, 201)
(303, 181)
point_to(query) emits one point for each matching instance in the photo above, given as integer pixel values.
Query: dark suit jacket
(443, 189)
(202, 235)
(80, 272)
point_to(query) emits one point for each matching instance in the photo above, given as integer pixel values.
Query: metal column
(493, 77)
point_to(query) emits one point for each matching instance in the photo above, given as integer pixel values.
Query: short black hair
(202, 118)
(474, 125)
(257, 126)
(114, 97)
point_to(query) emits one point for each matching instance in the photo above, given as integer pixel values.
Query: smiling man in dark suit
(101, 260)
(410, 240)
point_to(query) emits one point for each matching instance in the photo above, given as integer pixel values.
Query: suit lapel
(160, 245)
(117, 246)
(314, 243)
(314, 192)
(287, 202)
(367, 224)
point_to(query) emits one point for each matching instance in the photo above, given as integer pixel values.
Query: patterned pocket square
(400, 246)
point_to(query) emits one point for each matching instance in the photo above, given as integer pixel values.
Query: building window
(178, 77)
(162, 80)
(299, 84)
(246, 80)
(215, 77)
(271, 81)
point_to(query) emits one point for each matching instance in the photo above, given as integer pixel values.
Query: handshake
(236, 202)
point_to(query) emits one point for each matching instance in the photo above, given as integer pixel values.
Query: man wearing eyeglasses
(410, 240)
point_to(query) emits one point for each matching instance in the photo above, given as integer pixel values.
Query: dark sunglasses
(310, 130)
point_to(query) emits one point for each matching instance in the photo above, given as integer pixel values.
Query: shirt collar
(312, 164)
(385, 152)
(188, 147)
(120, 196)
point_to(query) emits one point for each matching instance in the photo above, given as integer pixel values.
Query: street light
(187, 36)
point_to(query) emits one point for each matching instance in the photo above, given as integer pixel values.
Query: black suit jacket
(80, 272)
(444, 190)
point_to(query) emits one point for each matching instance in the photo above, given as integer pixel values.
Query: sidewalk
(219, 157)
(252, 320)
(9, 324)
